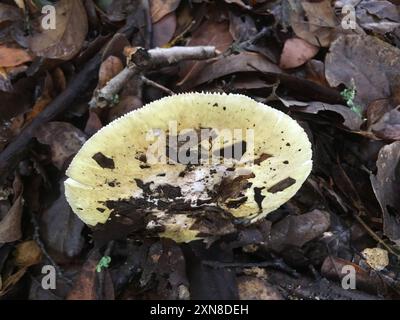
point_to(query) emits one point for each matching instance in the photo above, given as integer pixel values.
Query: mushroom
(189, 166)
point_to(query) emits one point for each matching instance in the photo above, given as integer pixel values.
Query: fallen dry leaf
(63, 138)
(9, 13)
(367, 62)
(109, 69)
(242, 62)
(335, 268)
(93, 124)
(386, 185)
(66, 40)
(11, 57)
(296, 52)
(378, 16)
(209, 33)
(68, 241)
(85, 287)
(388, 126)
(27, 254)
(10, 225)
(298, 230)
(41, 103)
(313, 21)
(351, 119)
(164, 29)
(160, 8)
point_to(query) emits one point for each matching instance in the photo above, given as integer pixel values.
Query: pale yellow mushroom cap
(113, 171)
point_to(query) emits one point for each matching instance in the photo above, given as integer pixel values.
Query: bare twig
(156, 85)
(143, 60)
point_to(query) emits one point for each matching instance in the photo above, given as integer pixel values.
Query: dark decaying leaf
(66, 40)
(386, 185)
(10, 224)
(298, 230)
(365, 62)
(165, 265)
(242, 27)
(388, 126)
(64, 140)
(61, 229)
(242, 62)
(87, 285)
(350, 118)
(313, 21)
(335, 268)
(110, 67)
(209, 33)
(164, 30)
(160, 8)
(207, 282)
(11, 57)
(379, 16)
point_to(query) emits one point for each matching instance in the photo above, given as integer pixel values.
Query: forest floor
(333, 66)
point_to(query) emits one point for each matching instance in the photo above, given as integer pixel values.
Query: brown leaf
(160, 8)
(315, 72)
(85, 287)
(109, 69)
(386, 185)
(10, 225)
(314, 22)
(241, 26)
(10, 281)
(66, 40)
(388, 126)
(377, 16)
(93, 124)
(9, 13)
(42, 102)
(27, 254)
(63, 138)
(164, 29)
(242, 62)
(366, 62)
(209, 33)
(11, 57)
(351, 119)
(296, 52)
(298, 230)
(61, 229)
(332, 269)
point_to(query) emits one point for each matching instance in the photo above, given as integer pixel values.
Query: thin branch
(143, 60)
(157, 85)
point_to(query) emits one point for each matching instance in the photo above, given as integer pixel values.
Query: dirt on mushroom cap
(175, 199)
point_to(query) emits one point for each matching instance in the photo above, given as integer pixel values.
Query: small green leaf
(349, 95)
(103, 263)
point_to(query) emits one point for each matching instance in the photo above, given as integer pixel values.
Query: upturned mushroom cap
(111, 179)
